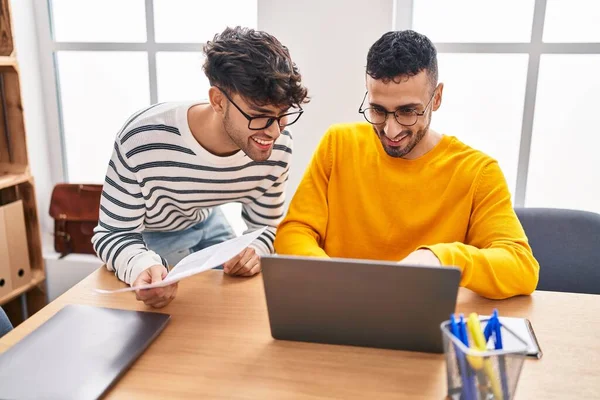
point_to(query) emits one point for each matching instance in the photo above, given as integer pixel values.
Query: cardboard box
(14, 252)
(5, 282)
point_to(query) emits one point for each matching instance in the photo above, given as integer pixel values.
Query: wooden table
(218, 345)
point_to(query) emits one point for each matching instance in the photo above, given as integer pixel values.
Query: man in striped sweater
(173, 164)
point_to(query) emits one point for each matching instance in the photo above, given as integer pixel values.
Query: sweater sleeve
(496, 259)
(118, 239)
(266, 211)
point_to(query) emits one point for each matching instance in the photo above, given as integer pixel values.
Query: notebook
(523, 329)
(79, 353)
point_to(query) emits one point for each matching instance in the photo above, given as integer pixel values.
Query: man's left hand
(247, 263)
(422, 257)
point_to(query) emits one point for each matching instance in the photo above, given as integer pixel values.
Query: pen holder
(490, 374)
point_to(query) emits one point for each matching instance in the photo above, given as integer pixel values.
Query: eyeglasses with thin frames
(378, 116)
(261, 122)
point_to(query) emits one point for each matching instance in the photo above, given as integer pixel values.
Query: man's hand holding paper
(234, 254)
(156, 297)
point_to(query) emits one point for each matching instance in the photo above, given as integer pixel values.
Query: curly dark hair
(255, 65)
(402, 54)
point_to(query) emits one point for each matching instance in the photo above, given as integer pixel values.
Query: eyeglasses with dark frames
(261, 122)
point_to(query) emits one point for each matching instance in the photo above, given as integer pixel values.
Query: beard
(242, 140)
(413, 139)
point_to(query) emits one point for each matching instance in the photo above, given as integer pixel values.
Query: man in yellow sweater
(393, 189)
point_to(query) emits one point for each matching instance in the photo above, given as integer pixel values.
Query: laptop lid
(359, 302)
(78, 353)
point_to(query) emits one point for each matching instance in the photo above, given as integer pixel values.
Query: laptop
(79, 353)
(359, 302)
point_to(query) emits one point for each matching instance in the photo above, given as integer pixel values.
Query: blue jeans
(174, 246)
(5, 325)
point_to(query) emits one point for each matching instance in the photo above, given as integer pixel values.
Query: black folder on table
(79, 353)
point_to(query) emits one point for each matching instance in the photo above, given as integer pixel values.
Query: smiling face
(256, 144)
(403, 89)
(257, 78)
(412, 101)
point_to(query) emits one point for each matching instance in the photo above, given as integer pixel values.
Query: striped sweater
(160, 178)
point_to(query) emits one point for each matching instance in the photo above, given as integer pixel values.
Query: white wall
(328, 40)
(26, 45)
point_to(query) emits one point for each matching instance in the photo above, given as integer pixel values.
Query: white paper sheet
(520, 327)
(199, 261)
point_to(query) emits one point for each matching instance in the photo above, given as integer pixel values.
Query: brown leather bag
(75, 209)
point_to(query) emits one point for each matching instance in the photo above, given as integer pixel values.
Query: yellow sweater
(355, 201)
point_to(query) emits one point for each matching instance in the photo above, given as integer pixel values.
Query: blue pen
(461, 360)
(497, 330)
(501, 361)
(489, 328)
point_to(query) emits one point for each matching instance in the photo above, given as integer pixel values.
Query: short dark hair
(255, 65)
(402, 54)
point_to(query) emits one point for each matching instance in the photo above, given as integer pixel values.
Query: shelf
(12, 175)
(16, 181)
(8, 61)
(13, 179)
(37, 277)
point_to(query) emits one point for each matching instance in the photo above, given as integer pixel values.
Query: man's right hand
(155, 297)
